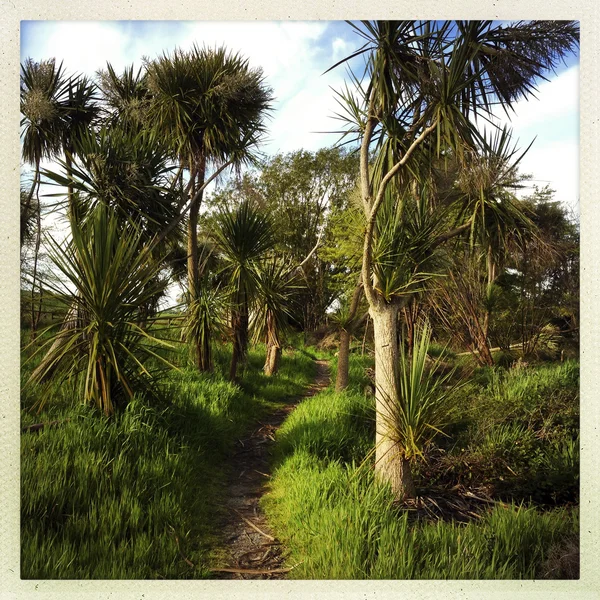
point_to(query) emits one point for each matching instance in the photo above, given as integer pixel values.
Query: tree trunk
(341, 380)
(38, 240)
(273, 359)
(390, 464)
(239, 324)
(71, 212)
(193, 263)
(205, 353)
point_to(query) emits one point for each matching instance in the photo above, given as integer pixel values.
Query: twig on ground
(256, 571)
(269, 537)
(185, 558)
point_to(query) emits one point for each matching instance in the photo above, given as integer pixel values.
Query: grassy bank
(137, 495)
(509, 432)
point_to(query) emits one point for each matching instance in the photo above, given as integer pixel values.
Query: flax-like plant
(109, 276)
(244, 236)
(278, 286)
(420, 409)
(207, 309)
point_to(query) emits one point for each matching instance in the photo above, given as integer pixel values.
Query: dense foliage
(450, 446)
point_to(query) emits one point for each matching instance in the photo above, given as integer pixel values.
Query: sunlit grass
(338, 523)
(138, 495)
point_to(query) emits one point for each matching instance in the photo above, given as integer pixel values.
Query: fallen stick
(185, 558)
(269, 537)
(255, 571)
(251, 571)
(261, 473)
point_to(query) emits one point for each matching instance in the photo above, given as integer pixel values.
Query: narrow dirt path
(254, 552)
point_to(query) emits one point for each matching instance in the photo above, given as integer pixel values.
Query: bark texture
(239, 324)
(203, 361)
(273, 360)
(390, 465)
(341, 378)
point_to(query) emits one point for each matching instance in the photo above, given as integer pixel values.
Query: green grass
(518, 432)
(338, 523)
(137, 495)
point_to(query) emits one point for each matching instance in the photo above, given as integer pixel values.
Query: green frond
(108, 279)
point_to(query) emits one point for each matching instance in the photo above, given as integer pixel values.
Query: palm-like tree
(345, 320)
(210, 105)
(278, 286)
(425, 83)
(43, 88)
(56, 112)
(79, 110)
(486, 190)
(244, 236)
(126, 97)
(127, 173)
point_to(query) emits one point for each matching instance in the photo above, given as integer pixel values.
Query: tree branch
(308, 256)
(450, 234)
(372, 215)
(356, 296)
(365, 177)
(171, 226)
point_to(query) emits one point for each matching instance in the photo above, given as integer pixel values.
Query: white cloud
(340, 48)
(286, 51)
(293, 56)
(82, 46)
(556, 99)
(551, 122)
(555, 164)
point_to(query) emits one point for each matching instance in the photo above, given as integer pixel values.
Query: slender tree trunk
(71, 212)
(25, 209)
(267, 365)
(239, 324)
(485, 347)
(411, 314)
(206, 362)
(273, 359)
(38, 239)
(341, 380)
(193, 263)
(390, 464)
(364, 342)
(36, 316)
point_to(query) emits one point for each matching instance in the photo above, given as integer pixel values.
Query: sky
(294, 56)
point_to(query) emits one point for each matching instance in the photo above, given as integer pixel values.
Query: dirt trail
(254, 553)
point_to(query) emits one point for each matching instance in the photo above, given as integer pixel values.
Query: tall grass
(339, 523)
(517, 432)
(138, 495)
